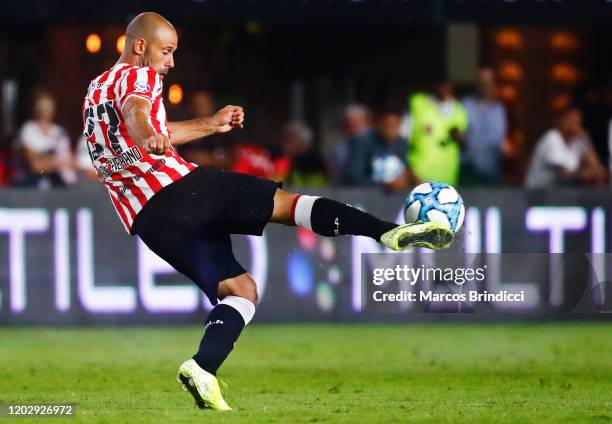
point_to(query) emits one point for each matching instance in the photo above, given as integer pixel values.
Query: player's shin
(331, 218)
(223, 327)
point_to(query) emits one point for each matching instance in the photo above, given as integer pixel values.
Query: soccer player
(185, 213)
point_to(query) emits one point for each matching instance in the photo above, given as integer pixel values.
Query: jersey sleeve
(141, 82)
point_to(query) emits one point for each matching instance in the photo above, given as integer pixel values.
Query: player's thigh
(243, 204)
(283, 207)
(242, 285)
(206, 259)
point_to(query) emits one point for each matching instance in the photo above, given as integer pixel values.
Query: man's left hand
(228, 118)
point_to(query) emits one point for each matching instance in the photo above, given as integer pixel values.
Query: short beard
(145, 60)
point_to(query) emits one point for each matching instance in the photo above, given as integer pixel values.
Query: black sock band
(330, 218)
(223, 327)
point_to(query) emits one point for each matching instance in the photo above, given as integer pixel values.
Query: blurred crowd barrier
(65, 259)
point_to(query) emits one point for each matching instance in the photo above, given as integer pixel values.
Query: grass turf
(544, 373)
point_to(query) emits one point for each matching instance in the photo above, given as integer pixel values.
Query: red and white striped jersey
(131, 175)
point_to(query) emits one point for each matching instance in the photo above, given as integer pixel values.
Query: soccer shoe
(420, 234)
(202, 385)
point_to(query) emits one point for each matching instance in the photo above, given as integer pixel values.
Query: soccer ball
(435, 202)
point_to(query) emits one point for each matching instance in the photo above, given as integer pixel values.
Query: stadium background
(65, 260)
(297, 61)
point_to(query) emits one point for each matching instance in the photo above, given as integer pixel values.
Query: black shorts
(188, 223)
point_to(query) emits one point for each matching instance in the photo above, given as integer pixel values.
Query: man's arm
(591, 169)
(223, 121)
(136, 111)
(40, 163)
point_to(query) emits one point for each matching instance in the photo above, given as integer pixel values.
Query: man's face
(292, 143)
(202, 104)
(444, 90)
(160, 50)
(571, 122)
(355, 122)
(485, 83)
(44, 108)
(388, 126)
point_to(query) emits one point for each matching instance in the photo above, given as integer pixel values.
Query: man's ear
(139, 46)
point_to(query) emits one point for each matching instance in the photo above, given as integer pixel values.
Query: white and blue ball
(435, 202)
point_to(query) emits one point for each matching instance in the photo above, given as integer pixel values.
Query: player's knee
(240, 293)
(283, 207)
(242, 286)
(249, 291)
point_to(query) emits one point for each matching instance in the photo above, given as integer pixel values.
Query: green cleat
(202, 385)
(420, 234)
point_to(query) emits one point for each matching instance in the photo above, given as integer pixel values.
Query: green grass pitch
(540, 373)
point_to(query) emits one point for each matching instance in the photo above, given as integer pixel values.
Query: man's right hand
(137, 111)
(157, 144)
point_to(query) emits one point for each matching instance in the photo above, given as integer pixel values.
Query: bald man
(185, 213)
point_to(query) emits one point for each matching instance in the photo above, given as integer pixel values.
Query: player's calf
(327, 217)
(223, 326)
(226, 321)
(331, 218)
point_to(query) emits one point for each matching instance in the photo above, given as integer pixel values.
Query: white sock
(303, 209)
(244, 306)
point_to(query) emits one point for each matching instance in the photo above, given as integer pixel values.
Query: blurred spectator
(224, 152)
(84, 166)
(356, 121)
(300, 164)
(435, 129)
(4, 168)
(486, 132)
(212, 150)
(253, 160)
(595, 102)
(565, 155)
(47, 156)
(202, 104)
(379, 155)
